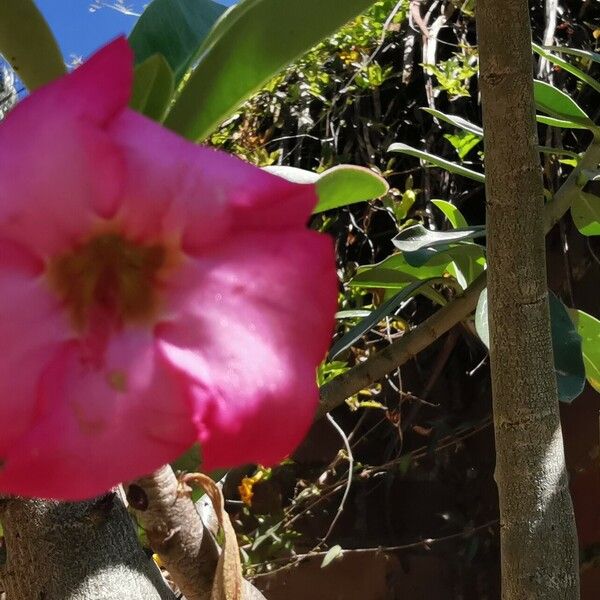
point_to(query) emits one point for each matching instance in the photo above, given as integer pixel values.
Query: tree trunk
(538, 535)
(75, 551)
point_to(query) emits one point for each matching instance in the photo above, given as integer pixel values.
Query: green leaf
(348, 184)
(253, 41)
(588, 328)
(561, 123)
(333, 553)
(585, 54)
(463, 142)
(451, 213)
(339, 186)
(567, 66)
(566, 343)
(432, 159)
(153, 87)
(456, 121)
(418, 237)
(175, 29)
(556, 103)
(395, 272)
(380, 313)
(468, 262)
(27, 43)
(585, 209)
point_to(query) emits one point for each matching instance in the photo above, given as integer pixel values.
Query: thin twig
(348, 483)
(424, 544)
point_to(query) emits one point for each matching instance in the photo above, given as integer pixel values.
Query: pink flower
(153, 293)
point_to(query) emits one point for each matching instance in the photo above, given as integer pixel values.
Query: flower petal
(100, 425)
(32, 327)
(198, 193)
(249, 323)
(58, 167)
(96, 91)
(57, 181)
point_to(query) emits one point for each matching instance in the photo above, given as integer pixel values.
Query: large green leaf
(588, 328)
(338, 186)
(567, 66)
(175, 29)
(566, 342)
(28, 45)
(556, 103)
(253, 41)
(438, 161)
(153, 87)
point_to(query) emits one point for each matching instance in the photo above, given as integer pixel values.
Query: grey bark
(538, 535)
(177, 534)
(75, 551)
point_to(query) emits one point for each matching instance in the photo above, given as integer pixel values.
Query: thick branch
(176, 533)
(335, 392)
(75, 551)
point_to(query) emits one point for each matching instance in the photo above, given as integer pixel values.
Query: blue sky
(79, 31)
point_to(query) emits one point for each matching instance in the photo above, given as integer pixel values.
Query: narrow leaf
(253, 41)
(585, 54)
(432, 159)
(561, 123)
(380, 313)
(28, 44)
(417, 237)
(567, 66)
(456, 121)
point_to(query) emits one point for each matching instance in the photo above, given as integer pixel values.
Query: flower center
(110, 274)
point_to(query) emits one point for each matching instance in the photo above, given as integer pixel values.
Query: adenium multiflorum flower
(153, 294)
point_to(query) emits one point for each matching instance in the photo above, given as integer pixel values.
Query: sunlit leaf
(338, 186)
(556, 103)
(253, 41)
(418, 237)
(451, 213)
